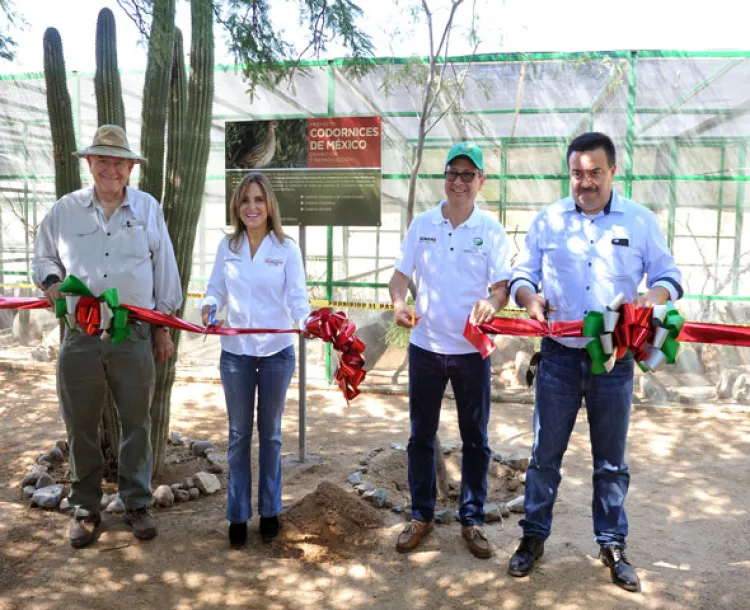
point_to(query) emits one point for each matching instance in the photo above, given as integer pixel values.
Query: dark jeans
(469, 375)
(563, 379)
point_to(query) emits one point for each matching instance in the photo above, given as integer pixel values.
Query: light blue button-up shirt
(582, 262)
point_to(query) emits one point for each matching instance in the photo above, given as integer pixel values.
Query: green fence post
(630, 135)
(738, 219)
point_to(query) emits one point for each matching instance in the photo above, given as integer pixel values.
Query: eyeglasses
(466, 177)
(119, 164)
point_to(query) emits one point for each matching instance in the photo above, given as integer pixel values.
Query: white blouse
(264, 291)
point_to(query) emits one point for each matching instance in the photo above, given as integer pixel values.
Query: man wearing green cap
(458, 257)
(109, 235)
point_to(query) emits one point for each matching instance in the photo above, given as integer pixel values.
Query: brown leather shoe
(479, 545)
(409, 539)
(84, 532)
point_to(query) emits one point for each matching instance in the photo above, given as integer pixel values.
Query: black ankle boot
(620, 569)
(269, 528)
(237, 535)
(527, 554)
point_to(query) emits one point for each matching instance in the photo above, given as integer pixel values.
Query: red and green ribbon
(88, 311)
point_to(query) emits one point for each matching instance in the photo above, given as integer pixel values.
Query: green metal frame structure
(702, 103)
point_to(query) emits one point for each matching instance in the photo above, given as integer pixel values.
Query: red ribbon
(88, 315)
(632, 331)
(334, 328)
(692, 332)
(518, 327)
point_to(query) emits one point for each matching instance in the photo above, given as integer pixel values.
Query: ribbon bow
(335, 328)
(91, 313)
(649, 333)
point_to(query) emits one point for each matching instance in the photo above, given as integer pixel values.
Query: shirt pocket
(84, 242)
(626, 262)
(135, 242)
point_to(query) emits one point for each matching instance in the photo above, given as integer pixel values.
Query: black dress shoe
(237, 535)
(269, 528)
(527, 554)
(622, 572)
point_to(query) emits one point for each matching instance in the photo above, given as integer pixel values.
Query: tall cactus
(182, 219)
(60, 110)
(155, 92)
(176, 117)
(109, 105)
(67, 172)
(110, 111)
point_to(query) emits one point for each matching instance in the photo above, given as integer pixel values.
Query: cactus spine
(110, 108)
(67, 174)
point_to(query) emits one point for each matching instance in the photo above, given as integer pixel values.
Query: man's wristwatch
(49, 281)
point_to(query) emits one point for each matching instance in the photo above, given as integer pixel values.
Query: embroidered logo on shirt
(274, 261)
(477, 241)
(426, 239)
(233, 259)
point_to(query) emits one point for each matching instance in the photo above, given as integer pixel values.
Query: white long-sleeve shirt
(583, 261)
(131, 251)
(264, 291)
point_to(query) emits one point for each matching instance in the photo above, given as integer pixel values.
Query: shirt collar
(89, 197)
(471, 222)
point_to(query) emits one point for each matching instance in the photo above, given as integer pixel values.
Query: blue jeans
(564, 377)
(469, 375)
(240, 375)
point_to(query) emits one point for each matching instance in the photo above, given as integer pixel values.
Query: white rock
(207, 483)
(194, 493)
(516, 505)
(65, 505)
(116, 506)
(50, 496)
(726, 383)
(33, 476)
(105, 501)
(164, 496)
(44, 480)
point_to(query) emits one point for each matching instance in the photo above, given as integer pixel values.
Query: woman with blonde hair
(259, 277)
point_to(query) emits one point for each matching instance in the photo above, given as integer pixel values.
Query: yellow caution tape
(315, 303)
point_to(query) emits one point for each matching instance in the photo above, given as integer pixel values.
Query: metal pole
(302, 371)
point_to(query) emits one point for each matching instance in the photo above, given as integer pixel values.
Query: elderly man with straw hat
(109, 235)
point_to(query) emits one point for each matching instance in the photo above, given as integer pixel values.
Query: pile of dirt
(332, 520)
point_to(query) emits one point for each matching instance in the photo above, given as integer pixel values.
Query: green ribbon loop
(119, 329)
(673, 322)
(593, 326)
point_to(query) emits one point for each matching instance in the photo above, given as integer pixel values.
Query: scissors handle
(212, 316)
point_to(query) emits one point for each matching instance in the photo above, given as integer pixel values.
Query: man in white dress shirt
(109, 236)
(583, 250)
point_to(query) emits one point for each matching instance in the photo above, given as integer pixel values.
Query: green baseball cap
(469, 150)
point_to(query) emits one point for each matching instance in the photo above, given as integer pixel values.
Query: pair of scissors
(545, 311)
(211, 321)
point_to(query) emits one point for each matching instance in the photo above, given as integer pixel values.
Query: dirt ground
(688, 509)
